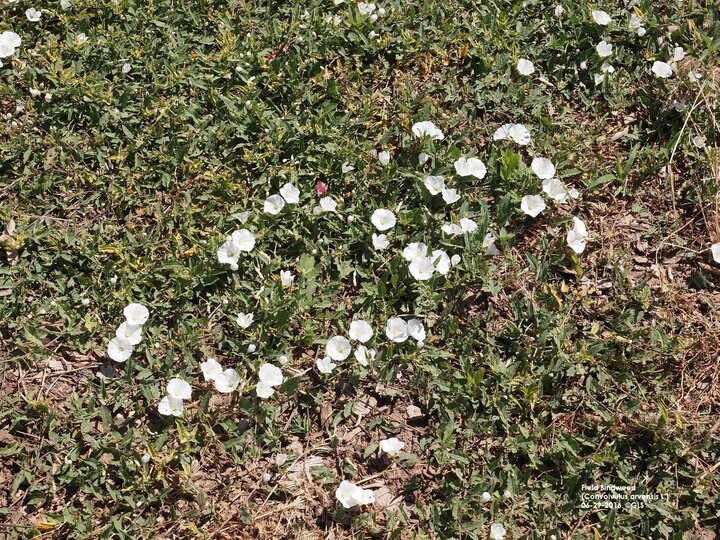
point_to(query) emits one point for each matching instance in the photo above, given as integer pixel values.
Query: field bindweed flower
(715, 250)
(119, 349)
(468, 225)
(320, 188)
(678, 54)
(662, 69)
(383, 219)
(364, 355)
(9, 42)
(469, 167)
(397, 330)
(136, 314)
(384, 158)
(532, 205)
(328, 204)
(132, 333)
(555, 189)
(350, 495)
(543, 168)
(515, 132)
(126, 67)
(441, 261)
(489, 244)
(273, 205)
(455, 259)
(366, 8)
(601, 17)
(227, 381)
(577, 236)
(485, 497)
(179, 388)
(245, 319)
(435, 184)
(286, 278)
(81, 38)
(360, 331)
(380, 241)
(269, 376)
(325, 365)
(211, 368)
(604, 49)
(171, 406)
(422, 268)
(525, 67)
(346, 168)
(450, 196)
(32, 14)
(238, 242)
(414, 251)
(392, 446)
(497, 531)
(423, 158)
(452, 229)
(559, 10)
(427, 129)
(416, 329)
(338, 348)
(290, 193)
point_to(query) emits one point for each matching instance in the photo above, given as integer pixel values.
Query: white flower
(384, 158)
(416, 329)
(264, 390)
(273, 204)
(178, 388)
(366, 8)
(211, 368)
(270, 375)
(381, 12)
(360, 331)
(81, 38)
(328, 204)
(349, 495)
(532, 205)
(364, 355)
(126, 67)
(422, 268)
(715, 250)
(468, 225)
(170, 406)
(435, 184)
(119, 350)
(380, 241)
(604, 49)
(441, 261)
(290, 193)
(485, 497)
(397, 330)
(338, 348)
(414, 251)
(346, 168)
(455, 259)
(452, 229)
(489, 244)
(383, 219)
(641, 32)
(325, 365)
(245, 319)
(497, 531)
(699, 141)
(678, 54)
(577, 236)
(662, 69)
(599, 78)
(65, 4)
(244, 240)
(427, 129)
(554, 189)
(392, 446)
(284, 360)
(607, 68)
(252, 348)
(242, 217)
(9, 41)
(574, 193)
(515, 132)
(525, 67)
(32, 14)
(694, 76)
(543, 167)
(136, 314)
(132, 333)
(635, 22)
(559, 10)
(601, 17)
(286, 278)
(227, 381)
(422, 158)
(450, 196)
(470, 167)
